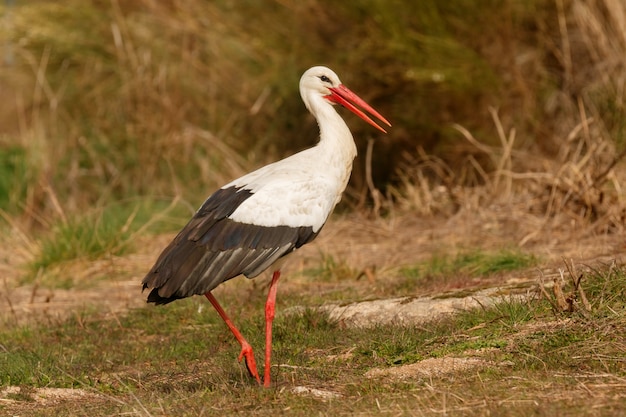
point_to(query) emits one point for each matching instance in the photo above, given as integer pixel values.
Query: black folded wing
(212, 249)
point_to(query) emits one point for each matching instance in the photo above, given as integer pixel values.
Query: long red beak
(342, 94)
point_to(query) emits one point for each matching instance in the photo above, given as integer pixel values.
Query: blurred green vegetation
(472, 263)
(107, 231)
(108, 100)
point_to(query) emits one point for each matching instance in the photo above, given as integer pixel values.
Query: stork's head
(319, 79)
(323, 82)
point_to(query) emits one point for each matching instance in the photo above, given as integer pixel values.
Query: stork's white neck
(335, 138)
(336, 147)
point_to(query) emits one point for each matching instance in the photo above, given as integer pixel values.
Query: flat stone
(414, 310)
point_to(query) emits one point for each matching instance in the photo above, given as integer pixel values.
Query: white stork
(248, 224)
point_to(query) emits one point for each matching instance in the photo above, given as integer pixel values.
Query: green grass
(473, 263)
(331, 270)
(14, 176)
(177, 360)
(110, 231)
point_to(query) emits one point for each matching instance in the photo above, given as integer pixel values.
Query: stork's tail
(155, 298)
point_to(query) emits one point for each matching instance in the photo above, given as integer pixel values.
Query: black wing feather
(212, 249)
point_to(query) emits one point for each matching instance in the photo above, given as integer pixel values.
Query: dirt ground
(374, 248)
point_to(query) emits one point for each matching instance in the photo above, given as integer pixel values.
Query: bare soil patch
(44, 396)
(430, 367)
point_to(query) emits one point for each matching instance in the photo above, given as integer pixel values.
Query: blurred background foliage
(107, 100)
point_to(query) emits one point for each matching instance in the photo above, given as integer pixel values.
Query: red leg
(270, 309)
(246, 349)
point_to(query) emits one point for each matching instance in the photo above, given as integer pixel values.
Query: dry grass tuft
(579, 191)
(575, 300)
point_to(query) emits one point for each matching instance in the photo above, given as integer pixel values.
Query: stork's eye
(324, 78)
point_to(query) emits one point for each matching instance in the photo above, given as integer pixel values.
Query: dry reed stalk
(580, 188)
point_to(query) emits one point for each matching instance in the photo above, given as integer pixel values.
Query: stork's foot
(248, 355)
